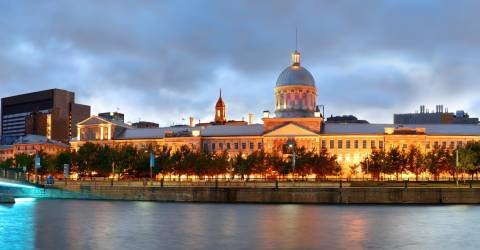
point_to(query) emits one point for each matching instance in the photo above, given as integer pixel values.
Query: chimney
(266, 114)
(192, 121)
(250, 118)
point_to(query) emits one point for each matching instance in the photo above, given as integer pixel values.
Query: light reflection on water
(70, 224)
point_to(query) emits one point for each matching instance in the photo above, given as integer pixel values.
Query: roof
(5, 147)
(295, 75)
(232, 130)
(38, 139)
(149, 133)
(207, 131)
(431, 129)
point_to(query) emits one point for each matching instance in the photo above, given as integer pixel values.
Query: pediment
(94, 120)
(291, 130)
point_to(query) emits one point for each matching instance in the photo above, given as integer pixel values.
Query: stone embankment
(348, 195)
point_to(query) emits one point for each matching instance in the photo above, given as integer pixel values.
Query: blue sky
(165, 60)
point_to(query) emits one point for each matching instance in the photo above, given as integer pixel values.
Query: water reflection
(17, 225)
(70, 224)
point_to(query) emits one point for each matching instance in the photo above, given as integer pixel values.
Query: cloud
(164, 61)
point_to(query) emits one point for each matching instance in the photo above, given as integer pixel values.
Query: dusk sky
(163, 61)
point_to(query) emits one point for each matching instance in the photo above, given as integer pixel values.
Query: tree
(395, 162)
(374, 164)
(325, 164)
(415, 161)
(24, 160)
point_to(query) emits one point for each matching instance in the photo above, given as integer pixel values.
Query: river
(80, 224)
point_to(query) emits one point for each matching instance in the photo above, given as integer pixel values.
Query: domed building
(295, 91)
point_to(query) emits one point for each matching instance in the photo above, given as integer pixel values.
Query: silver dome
(295, 75)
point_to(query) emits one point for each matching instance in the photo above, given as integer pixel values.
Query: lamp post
(456, 167)
(37, 166)
(291, 145)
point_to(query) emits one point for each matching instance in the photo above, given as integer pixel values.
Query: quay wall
(349, 195)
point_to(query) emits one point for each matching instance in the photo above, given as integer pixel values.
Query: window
(220, 145)
(205, 147)
(244, 145)
(459, 144)
(259, 146)
(236, 145)
(427, 145)
(347, 144)
(444, 144)
(372, 144)
(435, 144)
(404, 146)
(324, 143)
(228, 145)
(339, 144)
(452, 144)
(355, 144)
(251, 145)
(380, 144)
(332, 144)
(213, 146)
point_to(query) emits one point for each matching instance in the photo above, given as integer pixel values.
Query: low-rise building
(32, 144)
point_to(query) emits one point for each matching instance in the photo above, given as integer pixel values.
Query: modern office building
(440, 116)
(297, 120)
(52, 113)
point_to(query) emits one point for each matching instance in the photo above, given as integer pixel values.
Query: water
(70, 224)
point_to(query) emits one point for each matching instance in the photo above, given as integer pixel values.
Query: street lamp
(291, 145)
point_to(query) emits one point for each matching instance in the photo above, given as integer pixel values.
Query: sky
(164, 61)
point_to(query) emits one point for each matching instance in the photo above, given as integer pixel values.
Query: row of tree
(437, 162)
(129, 161)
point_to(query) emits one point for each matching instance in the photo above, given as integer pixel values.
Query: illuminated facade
(297, 118)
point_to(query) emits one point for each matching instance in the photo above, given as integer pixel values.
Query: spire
(220, 92)
(296, 54)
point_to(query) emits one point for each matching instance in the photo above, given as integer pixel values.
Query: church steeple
(220, 110)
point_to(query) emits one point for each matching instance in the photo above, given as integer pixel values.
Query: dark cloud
(166, 60)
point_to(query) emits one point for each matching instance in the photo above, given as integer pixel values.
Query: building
(145, 124)
(440, 116)
(113, 116)
(297, 119)
(31, 145)
(52, 113)
(344, 119)
(221, 116)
